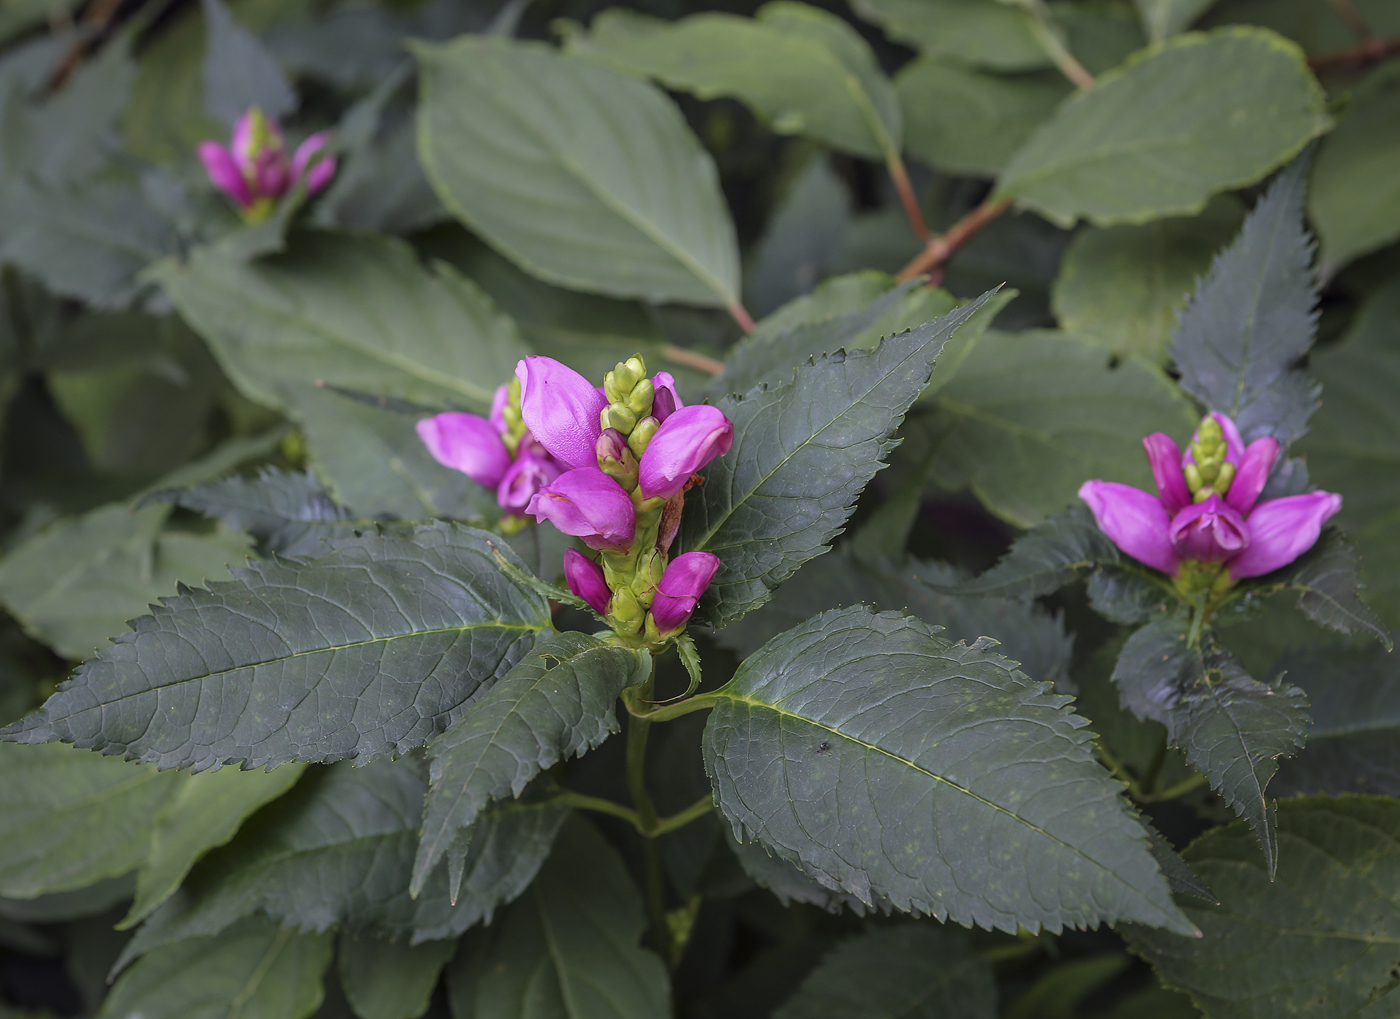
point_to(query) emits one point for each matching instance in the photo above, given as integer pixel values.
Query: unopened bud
(641, 434)
(1225, 479)
(616, 415)
(615, 459)
(626, 610)
(639, 400)
(637, 365)
(1193, 477)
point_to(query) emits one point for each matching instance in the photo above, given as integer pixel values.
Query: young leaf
(387, 980)
(77, 582)
(238, 71)
(203, 814)
(354, 311)
(287, 514)
(1000, 36)
(568, 947)
(1354, 740)
(802, 452)
(559, 701)
(1232, 728)
(584, 176)
(802, 70)
(254, 971)
(1321, 939)
(69, 819)
(887, 762)
(1148, 141)
(368, 651)
(1328, 579)
(338, 851)
(1251, 320)
(914, 971)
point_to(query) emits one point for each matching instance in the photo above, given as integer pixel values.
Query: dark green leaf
(1354, 740)
(1159, 136)
(568, 948)
(582, 175)
(1059, 993)
(1129, 593)
(1328, 580)
(1232, 728)
(785, 880)
(77, 582)
(803, 241)
(558, 702)
(368, 651)
(1354, 201)
(286, 514)
(802, 70)
(1251, 320)
(1047, 558)
(965, 121)
(914, 971)
(204, 813)
(69, 818)
(385, 980)
(1101, 35)
(1029, 417)
(889, 763)
(254, 971)
(239, 72)
(1319, 939)
(996, 35)
(1124, 285)
(1162, 19)
(802, 452)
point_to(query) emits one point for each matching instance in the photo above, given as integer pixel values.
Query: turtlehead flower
(255, 170)
(588, 504)
(686, 441)
(1206, 509)
(685, 580)
(585, 579)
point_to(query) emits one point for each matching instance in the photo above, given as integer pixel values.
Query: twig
(1354, 20)
(691, 359)
(741, 316)
(1055, 48)
(1367, 53)
(96, 19)
(939, 249)
(900, 176)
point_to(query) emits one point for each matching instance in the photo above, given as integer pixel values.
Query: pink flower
(588, 504)
(467, 443)
(254, 170)
(685, 580)
(585, 579)
(523, 481)
(687, 440)
(665, 400)
(1207, 508)
(561, 410)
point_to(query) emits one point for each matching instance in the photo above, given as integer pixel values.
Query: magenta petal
(1234, 443)
(1209, 531)
(681, 586)
(467, 443)
(666, 401)
(1134, 520)
(1165, 457)
(321, 171)
(585, 578)
(523, 480)
(499, 402)
(561, 410)
(688, 440)
(1252, 472)
(243, 138)
(588, 504)
(1281, 530)
(223, 171)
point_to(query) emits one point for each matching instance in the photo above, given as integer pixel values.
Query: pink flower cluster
(255, 171)
(1196, 518)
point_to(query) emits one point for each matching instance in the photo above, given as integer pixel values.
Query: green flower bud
(1225, 479)
(639, 400)
(625, 610)
(1193, 478)
(615, 415)
(641, 435)
(638, 366)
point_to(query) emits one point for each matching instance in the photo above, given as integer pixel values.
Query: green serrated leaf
(254, 971)
(1231, 727)
(845, 743)
(1318, 940)
(995, 35)
(1251, 320)
(385, 980)
(786, 880)
(558, 702)
(1029, 417)
(1176, 124)
(204, 813)
(802, 452)
(918, 971)
(802, 70)
(1046, 558)
(1328, 579)
(368, 651)
(607, 165)
(567, 948)
(964, 121)
(1162, 19)
(1354, 201)
(1124, 285)
(1354, 740)
(69, 819)
(77, 582)
(239, 72)
(354, 311)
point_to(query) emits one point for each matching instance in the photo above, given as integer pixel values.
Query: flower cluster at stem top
(607, 465)
(1206, 526)
(255, 170)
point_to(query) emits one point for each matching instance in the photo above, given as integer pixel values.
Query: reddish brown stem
(741, 316)
(907, 198)
(939, 249)
(1367, 53)
(98, 16)
(691, 359)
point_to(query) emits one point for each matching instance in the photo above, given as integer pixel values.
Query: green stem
(1054, 48)
(694, 812)
(1181, 788)
(638, 729)
(1154, 769)
(567, 798)
(1120, 772)
(636, 703)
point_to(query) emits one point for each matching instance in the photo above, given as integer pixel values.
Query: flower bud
(639, 400)
(585, 579)
(588, 504)
(690, 438)
(666, 400)
(637, 366)
(641, 435)
(684, 581)
(625, 613)
(617, 416)
(618, 383)
(616, 460)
